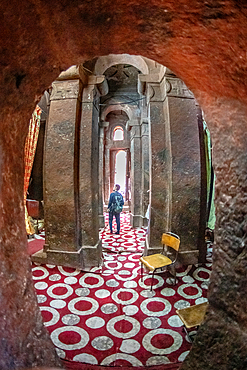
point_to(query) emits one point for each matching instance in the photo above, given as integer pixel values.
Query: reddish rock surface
(204, 43)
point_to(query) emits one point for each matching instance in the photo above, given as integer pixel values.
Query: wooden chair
(168, 257)
(192, 316)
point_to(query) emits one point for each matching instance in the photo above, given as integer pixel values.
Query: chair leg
(187, 333)
(175, 274)
(152, 280)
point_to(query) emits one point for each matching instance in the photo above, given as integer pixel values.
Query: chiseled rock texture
(204, 43)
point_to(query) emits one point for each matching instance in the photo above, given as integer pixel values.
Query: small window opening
(118, 134)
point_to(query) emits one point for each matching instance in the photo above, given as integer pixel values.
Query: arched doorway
(149, 29)
(120, 170)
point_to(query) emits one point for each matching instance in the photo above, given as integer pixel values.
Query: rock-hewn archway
(204, 43)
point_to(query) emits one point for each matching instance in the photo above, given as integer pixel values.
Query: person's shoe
(117, 233)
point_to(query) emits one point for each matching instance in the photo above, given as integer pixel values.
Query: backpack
(117, 207)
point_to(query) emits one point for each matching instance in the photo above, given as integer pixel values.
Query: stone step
(39, 257)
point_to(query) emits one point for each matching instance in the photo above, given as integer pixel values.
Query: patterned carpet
(108, 316)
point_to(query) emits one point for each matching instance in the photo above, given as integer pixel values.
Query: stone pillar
(107, 174)
(102, 126)
(175, 167)
(136, 174)
(71, 175)
(160, 165)
(145, 168)
(88, 178)
(186, 170)
(62, 245)
(101, 151)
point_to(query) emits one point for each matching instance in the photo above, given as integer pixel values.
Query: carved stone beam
(71, 73)
(156, 76)
(103, 124)
(74, 73)
(177, 88)
(100, 82)
(131, 123)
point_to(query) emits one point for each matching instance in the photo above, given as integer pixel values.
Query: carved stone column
(160, 164)
(62, 245)
(136, 219)
(145, 168)
(71, 174)
(176, 180)
(88, 178)
(107, 174)
(187, 177)
(102, 126)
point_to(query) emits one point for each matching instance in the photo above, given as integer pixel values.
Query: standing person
(115, 200)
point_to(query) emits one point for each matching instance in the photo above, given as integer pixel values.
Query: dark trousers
(117, 217)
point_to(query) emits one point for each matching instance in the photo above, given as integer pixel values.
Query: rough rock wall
(204, 43)
(221, 341)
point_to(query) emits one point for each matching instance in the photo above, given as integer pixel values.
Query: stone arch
(130, 111)
(105, 62)
(110, 129)
(151, 30)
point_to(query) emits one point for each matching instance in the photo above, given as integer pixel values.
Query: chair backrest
(32, 208)
(171, 240)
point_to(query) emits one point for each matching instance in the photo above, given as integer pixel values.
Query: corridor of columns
(167, 160)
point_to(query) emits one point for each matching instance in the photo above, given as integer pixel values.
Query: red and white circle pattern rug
(108, 316)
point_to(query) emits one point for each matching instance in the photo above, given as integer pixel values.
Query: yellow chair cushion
(155, 261)
(193, 315)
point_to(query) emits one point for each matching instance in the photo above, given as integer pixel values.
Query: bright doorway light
(120, 170)
(118, 134)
